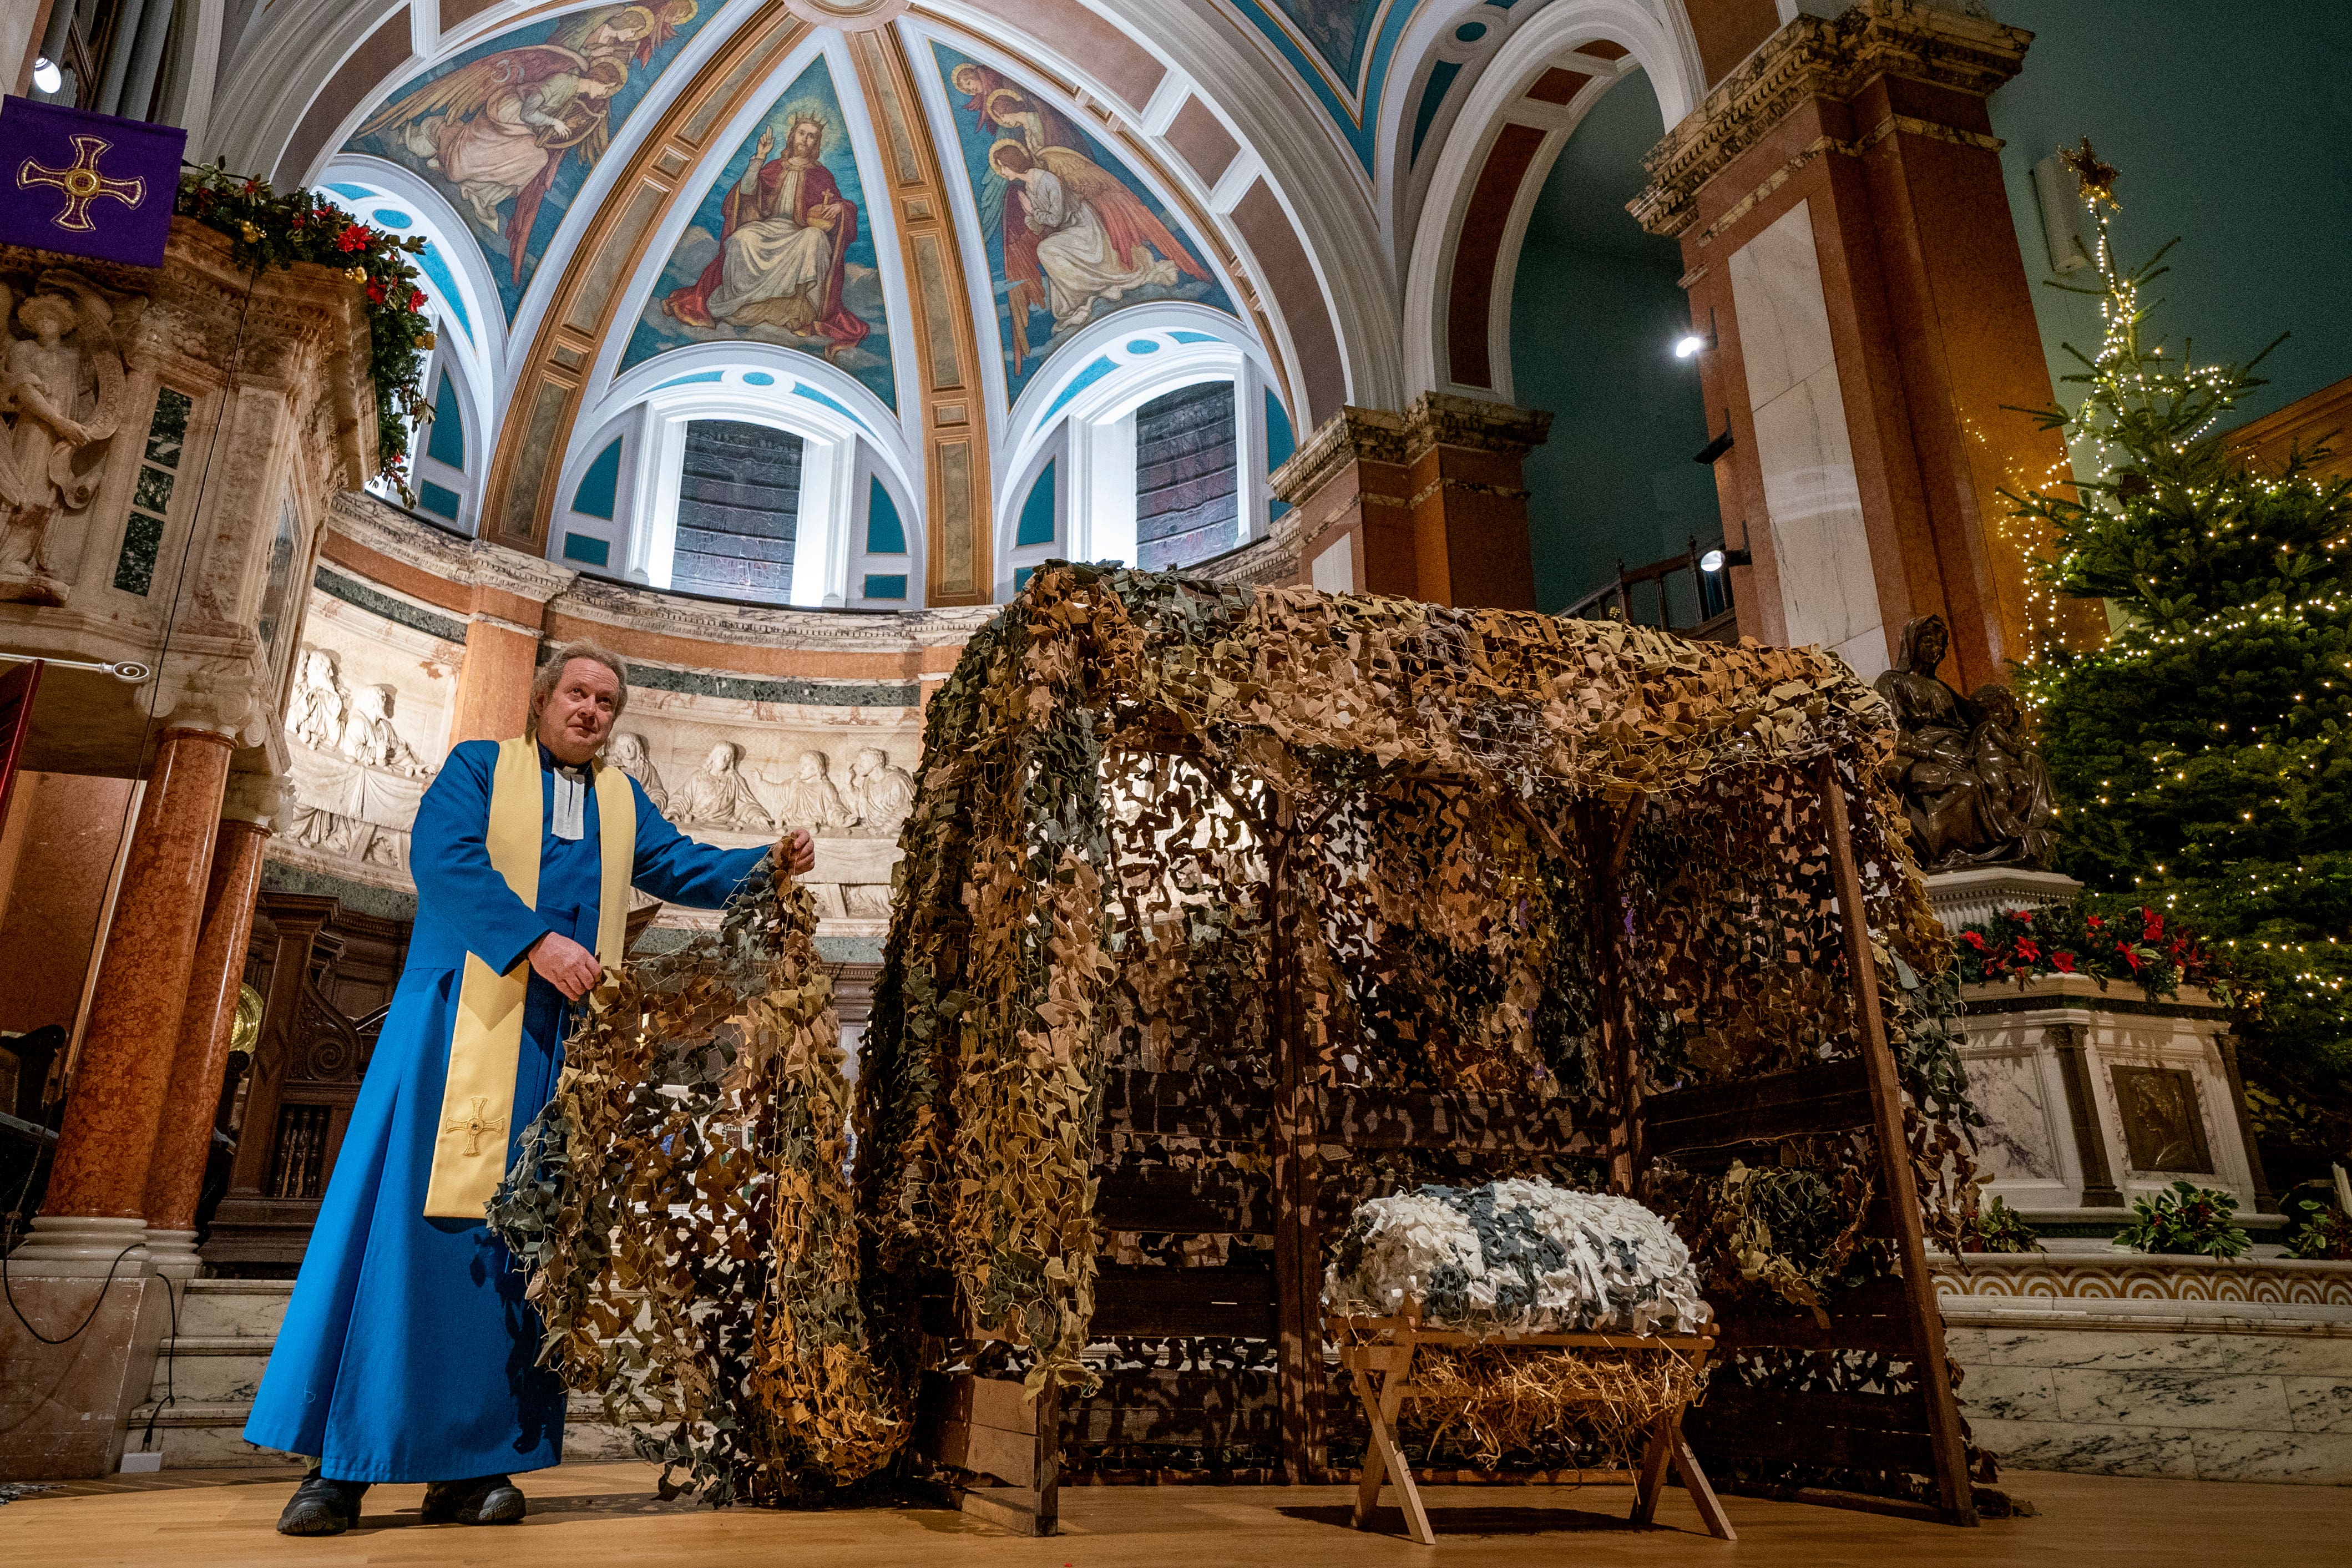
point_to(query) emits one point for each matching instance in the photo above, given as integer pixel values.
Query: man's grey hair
(543, 684)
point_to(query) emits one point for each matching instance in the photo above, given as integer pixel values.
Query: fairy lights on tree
(2204, 757)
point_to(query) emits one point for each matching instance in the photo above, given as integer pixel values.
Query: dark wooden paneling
(1876, 1316)
(1830, 1097)
(1403, 1119)
(1183, 1302)
(1157, 1198)
(1215, 1409)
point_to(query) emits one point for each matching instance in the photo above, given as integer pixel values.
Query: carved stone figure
(314, 713)
(718, 795)
(882, 794)
(628, 753)
(61, 402)
(1973, 785)
(808, 799)
(369, 738)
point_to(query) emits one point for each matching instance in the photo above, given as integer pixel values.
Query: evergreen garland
(270, 229)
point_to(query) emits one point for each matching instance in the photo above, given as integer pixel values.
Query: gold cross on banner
(473, 1125)
(82, 182)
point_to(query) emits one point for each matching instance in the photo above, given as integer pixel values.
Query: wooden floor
(587, 1516)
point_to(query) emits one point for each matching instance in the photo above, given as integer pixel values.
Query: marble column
(1428, 504)
(176, 1175)
(96, 1204)
(493, 698)
(1853, 270)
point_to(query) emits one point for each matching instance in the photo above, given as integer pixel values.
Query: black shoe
(485, 1500)
(322, 1506)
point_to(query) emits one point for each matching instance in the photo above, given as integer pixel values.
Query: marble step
(211, 1309)
(211, 1369)
(210, 1434)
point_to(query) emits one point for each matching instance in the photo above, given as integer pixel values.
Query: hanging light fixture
(47, 76)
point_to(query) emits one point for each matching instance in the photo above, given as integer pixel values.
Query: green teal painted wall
(2232, 126)
(1595, 310)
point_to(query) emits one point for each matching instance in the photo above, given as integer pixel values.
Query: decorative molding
(1817, 57)
(389, 607)
(1374, 435)
(468, 562)
(229, 698)
(2138, 1277)
(2067, 995)
(651, 610)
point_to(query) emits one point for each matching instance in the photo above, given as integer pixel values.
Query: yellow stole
(469, 1153)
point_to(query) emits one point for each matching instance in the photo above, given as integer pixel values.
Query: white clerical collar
(570, 797)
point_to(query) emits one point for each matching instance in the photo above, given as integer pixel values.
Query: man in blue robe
(408, 1354)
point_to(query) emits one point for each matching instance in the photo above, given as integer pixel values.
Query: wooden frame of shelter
(929, 1173)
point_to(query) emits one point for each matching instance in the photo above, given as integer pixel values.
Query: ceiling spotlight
(46, 75)
(1688, 344)
(1716, 559)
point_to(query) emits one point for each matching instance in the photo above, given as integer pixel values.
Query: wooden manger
(1176, 981)
(1379, 1355)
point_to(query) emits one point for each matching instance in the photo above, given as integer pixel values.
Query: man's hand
(566, 966)
(795, 851)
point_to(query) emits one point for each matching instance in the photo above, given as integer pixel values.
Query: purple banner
(87, 184)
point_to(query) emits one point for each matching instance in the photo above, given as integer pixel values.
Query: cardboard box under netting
(1223, 910)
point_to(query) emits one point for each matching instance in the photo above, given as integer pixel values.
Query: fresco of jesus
(785, 229)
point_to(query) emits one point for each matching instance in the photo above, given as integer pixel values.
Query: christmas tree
(2203, 758)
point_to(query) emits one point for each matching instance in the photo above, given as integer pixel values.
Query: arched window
(1148, 447)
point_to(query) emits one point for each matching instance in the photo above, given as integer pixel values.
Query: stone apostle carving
(718, 795)
(808, 799)
(628, 753)
(314, 713)
(1974, 787)
(369, 738)
(61, 402)
(882, 794)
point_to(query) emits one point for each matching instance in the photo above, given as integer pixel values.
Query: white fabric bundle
(1517, 1255)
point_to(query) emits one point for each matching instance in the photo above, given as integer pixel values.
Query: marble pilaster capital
(1819, 57)
(214, 695)
(260, 799)
(1376, 435)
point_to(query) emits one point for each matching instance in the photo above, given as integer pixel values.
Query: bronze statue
(1972, 782)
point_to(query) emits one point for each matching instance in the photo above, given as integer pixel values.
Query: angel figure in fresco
(1074, 236)
(499, 127)
(784, 230)
(1003, 110)
(58, 399)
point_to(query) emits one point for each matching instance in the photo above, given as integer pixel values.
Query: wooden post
(1299, 1285)
(1605, 925)
(1895, 1160)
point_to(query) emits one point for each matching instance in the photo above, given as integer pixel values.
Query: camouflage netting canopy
(1327, 862)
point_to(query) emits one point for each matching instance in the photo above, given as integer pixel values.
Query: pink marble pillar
(125, 1066)
(176, 1175)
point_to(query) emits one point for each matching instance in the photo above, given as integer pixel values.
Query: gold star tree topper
(2095, 179)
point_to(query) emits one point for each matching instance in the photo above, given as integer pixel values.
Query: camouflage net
(682, 1208)
(1125, 766)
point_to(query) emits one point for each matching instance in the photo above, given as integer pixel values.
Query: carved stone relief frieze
(366, 727)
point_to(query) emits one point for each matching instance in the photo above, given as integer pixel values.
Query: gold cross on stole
(82, 182)
(473, 1125)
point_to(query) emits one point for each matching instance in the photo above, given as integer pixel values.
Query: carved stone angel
(59, 399)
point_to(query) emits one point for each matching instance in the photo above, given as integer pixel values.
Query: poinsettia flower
(375, 291)
(1973, 939)
(2094, 922)
(353, 238)
(2028, 949)
(2064, 961)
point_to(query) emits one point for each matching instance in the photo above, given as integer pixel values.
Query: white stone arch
(1082, 417)
(756, 384)
(469, 285)
(1659, 43)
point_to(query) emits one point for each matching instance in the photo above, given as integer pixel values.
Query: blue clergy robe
(408, 1354)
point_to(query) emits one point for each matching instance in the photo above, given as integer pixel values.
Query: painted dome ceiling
(935, 236)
